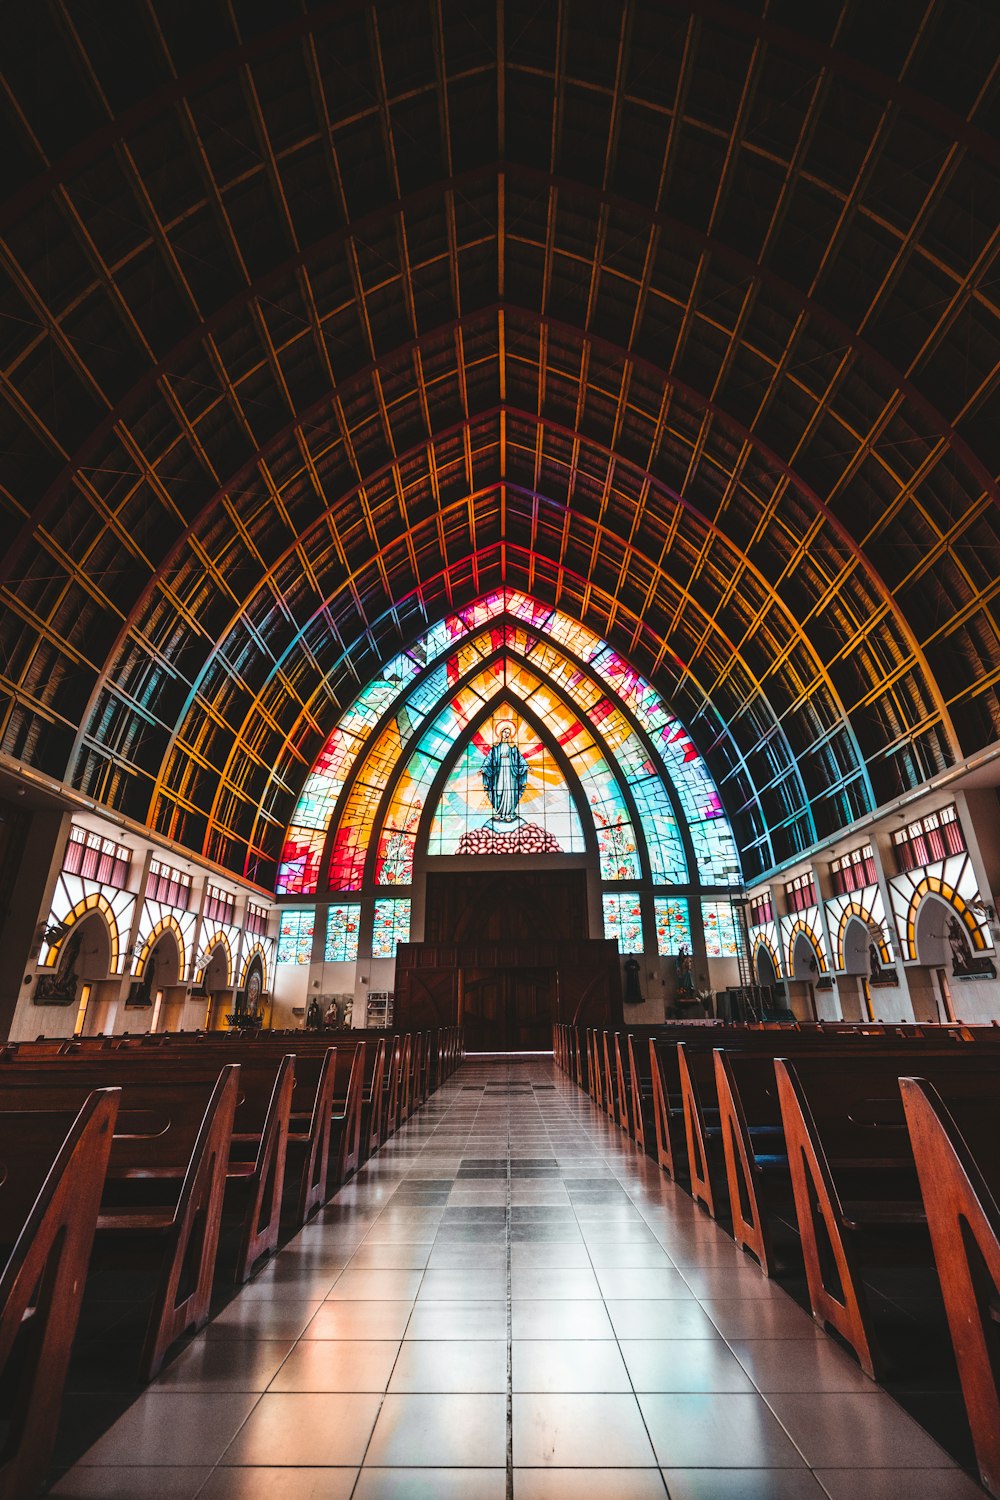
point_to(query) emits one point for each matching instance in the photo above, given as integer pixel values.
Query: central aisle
(511, 1301)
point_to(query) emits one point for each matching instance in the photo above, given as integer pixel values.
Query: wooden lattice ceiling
(319, 320)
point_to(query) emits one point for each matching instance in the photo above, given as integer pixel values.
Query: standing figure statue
(505, 775)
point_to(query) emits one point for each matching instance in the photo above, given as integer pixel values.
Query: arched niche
(85, 956)
(94, 948)
(930, 932)
(767, 974)
(162, 969)
(857, 941)
(216, 976)
(805, 962)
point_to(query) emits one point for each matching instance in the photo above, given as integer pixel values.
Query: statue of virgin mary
(505, 775)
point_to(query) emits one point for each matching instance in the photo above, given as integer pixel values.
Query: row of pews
(834, 1151)
(187, 1157)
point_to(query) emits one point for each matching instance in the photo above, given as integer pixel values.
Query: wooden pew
(309, 1134)
(166, 1177)
(53, 1170)
(957, 1153)
(753, 1144)
(345, 1141)
(373, 1104)
(258, 1183)
(854, 1178)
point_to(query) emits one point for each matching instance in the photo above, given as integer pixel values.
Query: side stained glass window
(623, 919)
(392, 926)
(343, 924)
(673, 924)
(721, 939)
(295, 936)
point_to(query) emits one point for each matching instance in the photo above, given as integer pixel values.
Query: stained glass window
(295, 936)
(392, 926)
(720, 922)
(541, 818)
(606, 691)
(623, 919)
(343, 923)
(673, 925)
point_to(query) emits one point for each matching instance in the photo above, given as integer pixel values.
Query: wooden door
(530, 995)
(483, 1010)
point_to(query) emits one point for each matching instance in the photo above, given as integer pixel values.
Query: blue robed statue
(505, 775)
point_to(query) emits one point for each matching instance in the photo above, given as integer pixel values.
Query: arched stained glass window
(398, 836)
(544, 656)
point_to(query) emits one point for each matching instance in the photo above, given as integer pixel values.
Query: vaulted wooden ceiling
(320, 320)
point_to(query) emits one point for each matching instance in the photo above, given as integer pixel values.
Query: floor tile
(636, 1282)
(797, 1365)
(704, 1365)
(337, 1365)
(556, 1255)
(431, 1484)
(305, 1430)
(130, 1483)
(565, 1284)
(746, 1484)
(466, 1257)
(173, 1427)
(390, 1256)
(560, 1320)
(554, 1365)
(451, 1365)
(899, 1484)
(582, 1431)
(440, 1431)
(661, 1320)
(716, 1431)
(224, 1365)
(856, 1431)
(278, 1484)
(359, 1320)
(589, 1484)
(463, 1283)
(782, 1319)
(458, 1320)
(614, 1256)
(722, 1282)
(366, 1285)
(253, 1319)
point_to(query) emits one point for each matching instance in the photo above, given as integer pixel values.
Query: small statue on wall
(633, 991)
(685, 975)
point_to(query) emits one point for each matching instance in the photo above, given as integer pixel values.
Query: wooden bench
(956, 1147)
(53, 1170)
(854, 1178)
(166, 1177)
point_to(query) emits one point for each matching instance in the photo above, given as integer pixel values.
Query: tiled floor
(510, 1301)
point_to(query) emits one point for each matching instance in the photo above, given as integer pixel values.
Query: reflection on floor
(510, 1301)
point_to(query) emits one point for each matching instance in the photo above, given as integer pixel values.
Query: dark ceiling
(320, 320)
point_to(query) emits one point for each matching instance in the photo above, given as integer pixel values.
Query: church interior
(500, 750)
